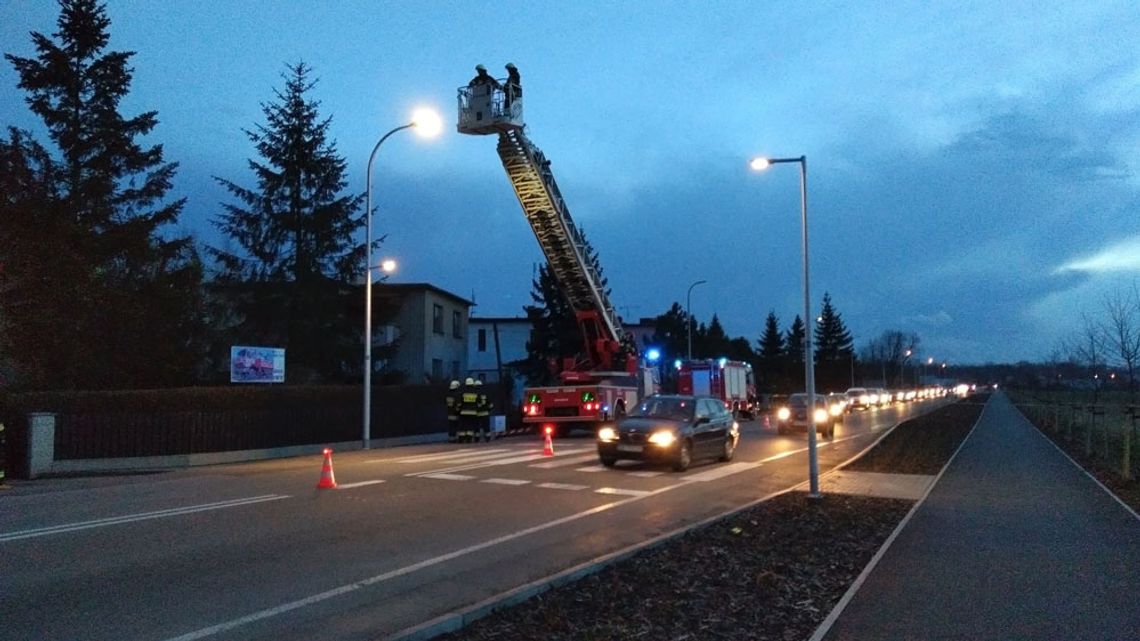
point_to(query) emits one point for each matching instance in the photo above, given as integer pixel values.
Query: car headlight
(836, 410)
(783, 413)
(663, 438)
(607, 435)
(820, 415)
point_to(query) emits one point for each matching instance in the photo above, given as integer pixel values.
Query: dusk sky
(973, 168)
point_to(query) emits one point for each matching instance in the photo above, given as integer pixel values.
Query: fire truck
(606, 378)
(730, 381)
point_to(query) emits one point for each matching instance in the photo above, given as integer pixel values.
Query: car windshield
(675, 409)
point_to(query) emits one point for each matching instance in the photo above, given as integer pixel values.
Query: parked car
(671, 429)
(794, 415)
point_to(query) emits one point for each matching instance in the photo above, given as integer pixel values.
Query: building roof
(522, 320)
(407, 288)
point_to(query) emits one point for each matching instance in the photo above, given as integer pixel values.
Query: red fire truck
(730, 381)
(606, 378)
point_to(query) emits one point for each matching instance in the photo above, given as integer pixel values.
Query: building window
(456, 324)
(482, 340)
(437, 319)
(436, 369)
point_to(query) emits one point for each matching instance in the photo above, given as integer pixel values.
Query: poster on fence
(257, 364)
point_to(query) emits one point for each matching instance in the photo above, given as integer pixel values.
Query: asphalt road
(255, 551)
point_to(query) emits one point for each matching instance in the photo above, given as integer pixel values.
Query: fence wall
(148, 423)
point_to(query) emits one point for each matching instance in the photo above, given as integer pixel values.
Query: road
(255, 551)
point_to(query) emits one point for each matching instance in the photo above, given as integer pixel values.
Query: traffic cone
(327, 481)
(548, 445)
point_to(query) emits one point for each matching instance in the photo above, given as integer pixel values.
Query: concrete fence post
(41, 443)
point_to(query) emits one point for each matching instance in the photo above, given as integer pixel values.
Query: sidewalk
(1014, 542)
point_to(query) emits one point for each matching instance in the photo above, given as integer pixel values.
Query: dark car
(671, 429)
(794, 415)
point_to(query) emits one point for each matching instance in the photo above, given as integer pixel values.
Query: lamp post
(427, 124)
(689, 315)
(760, 164)
(902, 368)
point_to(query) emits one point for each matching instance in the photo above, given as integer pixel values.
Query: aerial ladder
(609, 358)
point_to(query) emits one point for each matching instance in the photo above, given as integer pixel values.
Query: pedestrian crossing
(470, 464)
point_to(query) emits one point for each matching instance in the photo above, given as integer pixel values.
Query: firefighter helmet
(480, 68)
(469, 381)
(453, 385)
(478, 382)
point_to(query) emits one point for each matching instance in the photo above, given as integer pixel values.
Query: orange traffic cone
(548, 446)
(327, 481)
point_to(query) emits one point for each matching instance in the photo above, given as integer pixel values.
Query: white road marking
(448, 477)
(131, 518)
(509, 460)
(349, 486)
(592, 468)
(506, 481)
(646, 474)
(562, 486)
(721, 471)
(457, 454)
(567, 461)
(615, 490)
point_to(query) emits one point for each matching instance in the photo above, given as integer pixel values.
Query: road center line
(352, 587)
(131, 518)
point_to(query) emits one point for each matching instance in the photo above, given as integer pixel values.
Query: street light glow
(760, 163)
(388, 265)
(427, 122)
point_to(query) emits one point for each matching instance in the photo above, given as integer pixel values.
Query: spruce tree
(555, 334)
(125, 292)
(772, 355)
(834, 349)
(291, 279)
(794, 341)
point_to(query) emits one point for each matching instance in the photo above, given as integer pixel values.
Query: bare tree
(889, 351)
(1088, 346)
(1121, 329)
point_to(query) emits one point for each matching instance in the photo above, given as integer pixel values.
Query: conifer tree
(291, 278)
(123, 297)
(794, 342)
(772, 355)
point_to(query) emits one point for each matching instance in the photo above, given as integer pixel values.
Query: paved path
(1014, 542)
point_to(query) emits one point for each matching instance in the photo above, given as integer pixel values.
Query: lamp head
(760, 164)
(427, 122)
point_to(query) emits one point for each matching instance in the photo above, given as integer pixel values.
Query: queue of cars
(676, 429)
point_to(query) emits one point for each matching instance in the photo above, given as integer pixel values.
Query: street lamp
(760, 164)
(689, 315)
(388, 265)
(426, 123)
(902, 368)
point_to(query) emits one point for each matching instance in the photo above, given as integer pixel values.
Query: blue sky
(972, 166)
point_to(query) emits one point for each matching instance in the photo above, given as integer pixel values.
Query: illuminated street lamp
(689, 316)
(760, 164)
(428, 124)
(388, 265)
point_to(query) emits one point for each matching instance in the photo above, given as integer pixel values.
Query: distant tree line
(99, 290)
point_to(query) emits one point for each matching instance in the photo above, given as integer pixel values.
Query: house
(429, 330)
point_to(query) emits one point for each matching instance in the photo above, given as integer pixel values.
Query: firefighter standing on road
(484, 414)
(468, 411)
(453, 401)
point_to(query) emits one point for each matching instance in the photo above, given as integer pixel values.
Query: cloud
(1122, 256)
(937, 319)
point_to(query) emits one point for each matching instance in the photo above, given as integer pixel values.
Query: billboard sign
(257, 364)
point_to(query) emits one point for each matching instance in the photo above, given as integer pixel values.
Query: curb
(835, 613)
(458, 619)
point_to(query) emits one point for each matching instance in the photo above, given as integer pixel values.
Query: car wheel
(684, 457)
(608, 461)
(729, 449)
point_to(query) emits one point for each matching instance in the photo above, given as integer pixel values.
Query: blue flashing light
(677, 363)
(723, 361)
(653, 354)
